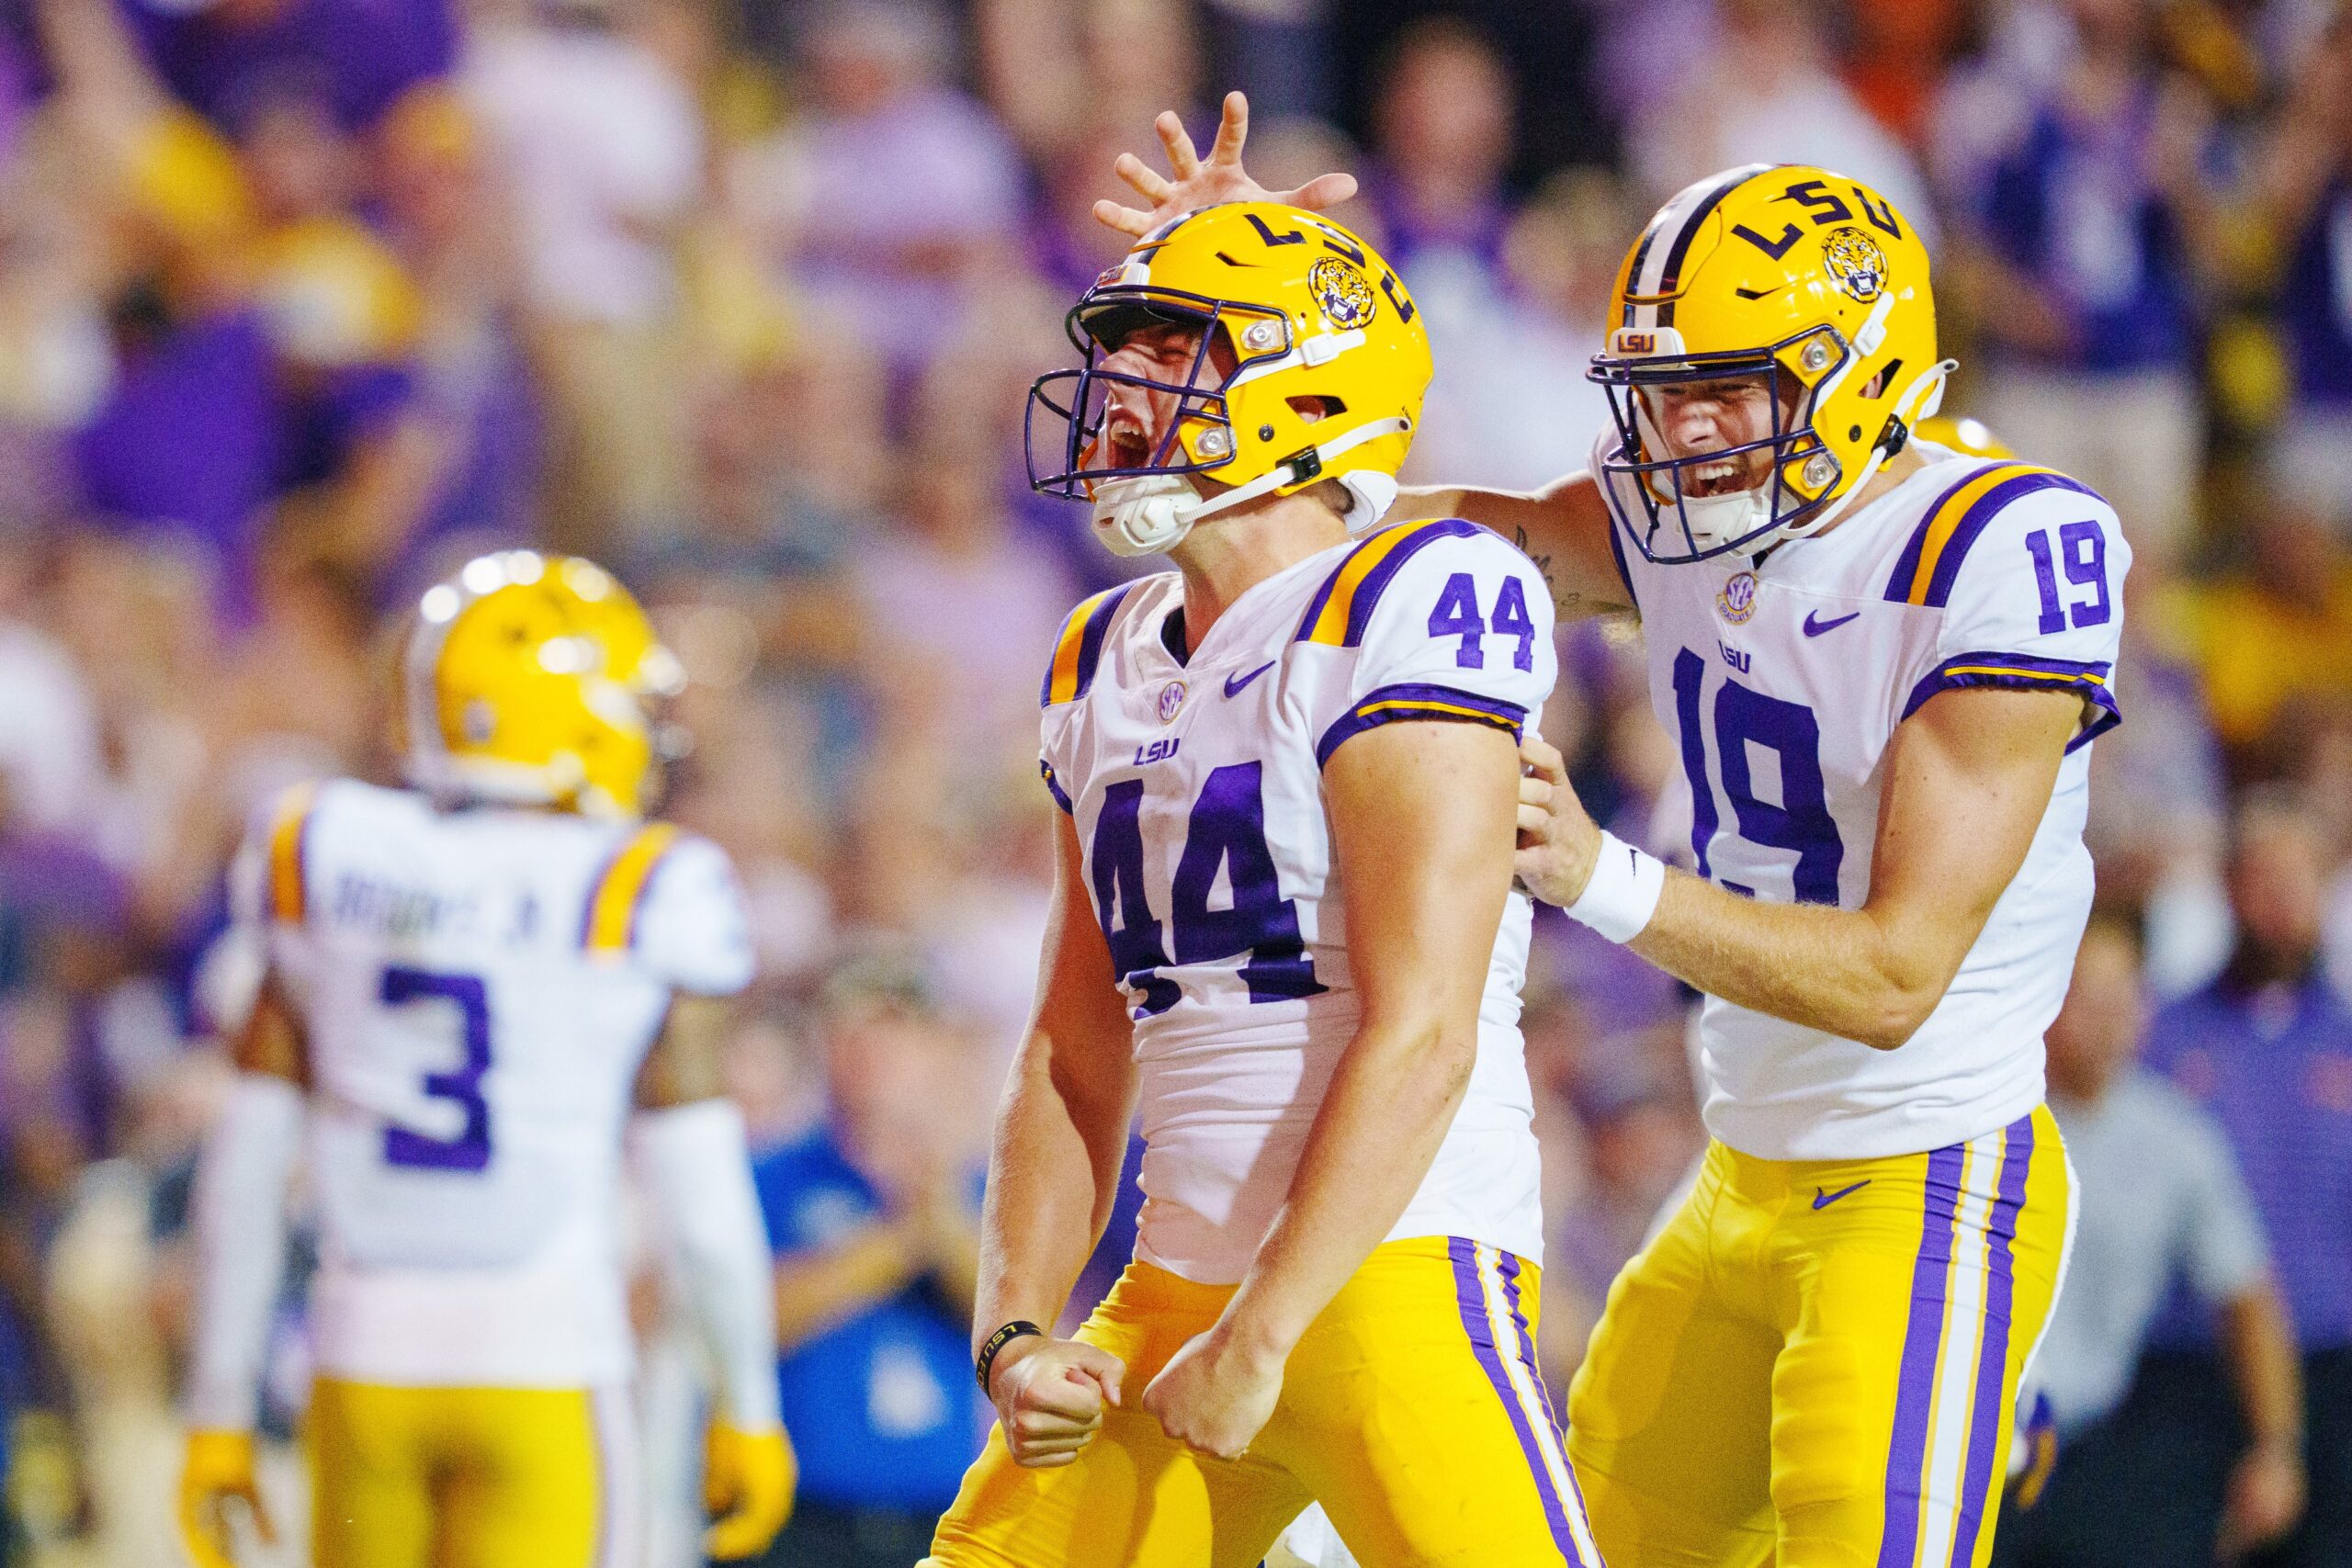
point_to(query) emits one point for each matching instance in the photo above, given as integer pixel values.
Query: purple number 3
(469, 1150)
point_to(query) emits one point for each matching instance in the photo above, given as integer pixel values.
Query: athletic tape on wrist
(1624, 891)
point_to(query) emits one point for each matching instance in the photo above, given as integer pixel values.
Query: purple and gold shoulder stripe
(1929, 564)
(1341, 609)
(1078, 646)
(1414, 701)
(289, 828)
(609, 925)
(2088, 680)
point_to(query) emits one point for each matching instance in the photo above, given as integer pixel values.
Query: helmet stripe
(1656, 267)
(1633, 269)
(1670, 272)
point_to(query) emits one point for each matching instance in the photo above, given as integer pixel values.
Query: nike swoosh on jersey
(1233, 683)
(1822, 1200)
(1814, 626)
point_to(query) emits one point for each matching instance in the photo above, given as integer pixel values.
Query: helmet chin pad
(1144, 514)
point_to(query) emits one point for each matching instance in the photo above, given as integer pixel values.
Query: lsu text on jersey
(1412, 1409)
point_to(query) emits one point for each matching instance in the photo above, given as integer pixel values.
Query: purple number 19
(2082, 550)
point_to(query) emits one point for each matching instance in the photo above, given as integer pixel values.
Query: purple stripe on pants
(1915, 1394)
(1469, 1294)
(1986, 1414)
(1535, 1370)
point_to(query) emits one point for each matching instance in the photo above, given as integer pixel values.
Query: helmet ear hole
(1311, 408)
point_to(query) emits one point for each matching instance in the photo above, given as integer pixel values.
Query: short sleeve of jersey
(2028, 568)
(693, 932)
(1450, 623)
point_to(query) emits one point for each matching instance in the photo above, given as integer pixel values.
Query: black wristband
(1018, 1329)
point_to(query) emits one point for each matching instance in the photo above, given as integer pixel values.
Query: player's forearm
(1053, 1176)
(2264, 1368)
(1382, 1119)
(1846, 972)
(1563, 528)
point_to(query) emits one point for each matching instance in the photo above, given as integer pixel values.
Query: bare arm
(1968, 777)
(2268, 1488)
(272, 1040)
(1421, 817)
(687, 1062)
(1061, 1129)
(1061, 1133)
(1563, 528)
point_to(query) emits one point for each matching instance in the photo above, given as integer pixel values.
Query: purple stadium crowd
(304, 301)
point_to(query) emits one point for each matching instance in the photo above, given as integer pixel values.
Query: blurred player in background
(1287, 772)
(472, 987)
(1884, 661)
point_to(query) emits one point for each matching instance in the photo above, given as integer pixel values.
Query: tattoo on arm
(1542, 565)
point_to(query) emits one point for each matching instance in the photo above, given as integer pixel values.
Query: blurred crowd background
(303, 302)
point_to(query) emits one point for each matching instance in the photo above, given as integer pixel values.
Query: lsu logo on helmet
(1854, 262)
(1344, 294)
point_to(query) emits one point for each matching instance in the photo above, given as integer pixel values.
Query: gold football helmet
(1806, 277)
(1311, 366)
(531, 678)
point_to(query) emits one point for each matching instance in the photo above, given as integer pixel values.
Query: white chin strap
(1149, 513)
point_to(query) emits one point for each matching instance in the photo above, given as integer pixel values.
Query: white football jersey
(1783, 682)
(479, 988)
(1196, 789)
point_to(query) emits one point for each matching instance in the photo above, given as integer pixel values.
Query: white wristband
(1622, 893)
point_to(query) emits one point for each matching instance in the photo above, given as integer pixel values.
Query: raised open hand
(1199, 184)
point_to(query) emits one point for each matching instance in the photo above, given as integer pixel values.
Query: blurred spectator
(2159, 1198)
(1444, 128)
(963, 619)
(228, 59)
(602, 150)
(1767, 92)
(2274, 636)
(1644, 1140)
(2305, 182)
(2080, 202)
(260, 330)
(2268, 1049)
(874, 1224)
(885, 202)
(1503, 406)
